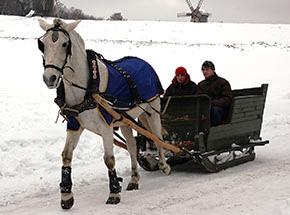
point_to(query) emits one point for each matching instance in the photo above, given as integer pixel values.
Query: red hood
(175, 82)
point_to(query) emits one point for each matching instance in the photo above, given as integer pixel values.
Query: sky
(241, 11)
(247, 55)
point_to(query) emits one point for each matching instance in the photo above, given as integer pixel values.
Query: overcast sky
(249, 11)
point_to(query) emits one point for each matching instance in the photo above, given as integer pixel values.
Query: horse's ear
(43, 24)
(71, 26)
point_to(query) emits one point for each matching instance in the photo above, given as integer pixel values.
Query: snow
(31, 142)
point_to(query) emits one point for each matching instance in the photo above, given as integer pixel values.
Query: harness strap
(94, 80)
(73, 84)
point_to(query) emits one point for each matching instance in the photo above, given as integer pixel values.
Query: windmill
(196, 14)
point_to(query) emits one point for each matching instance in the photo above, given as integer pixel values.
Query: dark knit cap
(207, 65)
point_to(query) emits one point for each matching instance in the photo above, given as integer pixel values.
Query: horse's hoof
(166, 170)
(132, 186)
(114, 199)
(148, 163)
(67, 204)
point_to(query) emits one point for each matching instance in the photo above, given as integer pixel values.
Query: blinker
(40, 45)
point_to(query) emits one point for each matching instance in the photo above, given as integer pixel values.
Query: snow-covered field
(31, 143)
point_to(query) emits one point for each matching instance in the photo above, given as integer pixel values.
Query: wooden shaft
(120, 144)
(137, 128)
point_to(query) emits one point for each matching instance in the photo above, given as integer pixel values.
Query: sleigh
(128, 89)
(186, 125)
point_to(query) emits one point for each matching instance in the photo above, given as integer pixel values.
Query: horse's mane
(78, 38)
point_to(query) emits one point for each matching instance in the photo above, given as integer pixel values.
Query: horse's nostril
(44, 79)
(52, 78)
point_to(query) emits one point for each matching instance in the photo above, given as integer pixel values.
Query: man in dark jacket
(181, 84)
(220, 92)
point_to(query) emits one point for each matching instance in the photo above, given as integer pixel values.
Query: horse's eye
(64, 45)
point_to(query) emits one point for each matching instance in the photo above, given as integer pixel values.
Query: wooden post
(137, 128)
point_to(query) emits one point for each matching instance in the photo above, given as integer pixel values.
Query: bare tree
(16, 7)
(117, 16)
(22, 8)
(72, 13)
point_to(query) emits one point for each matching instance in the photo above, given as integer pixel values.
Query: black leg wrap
(66, 182)
(114, 184)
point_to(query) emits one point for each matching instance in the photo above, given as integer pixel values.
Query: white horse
(65, 58)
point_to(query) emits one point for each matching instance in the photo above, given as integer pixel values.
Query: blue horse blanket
(141, 73)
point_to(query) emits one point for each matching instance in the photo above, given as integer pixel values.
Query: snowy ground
(31, 143)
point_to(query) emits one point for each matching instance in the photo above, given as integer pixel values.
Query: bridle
(57, 27)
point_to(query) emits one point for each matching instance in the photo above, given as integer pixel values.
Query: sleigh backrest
(245, 119)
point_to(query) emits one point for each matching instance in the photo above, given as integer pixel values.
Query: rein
(73, 84)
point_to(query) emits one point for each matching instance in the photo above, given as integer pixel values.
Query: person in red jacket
(181, 84)
(219, 90)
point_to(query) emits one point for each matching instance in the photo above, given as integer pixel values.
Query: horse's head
(56, 47)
